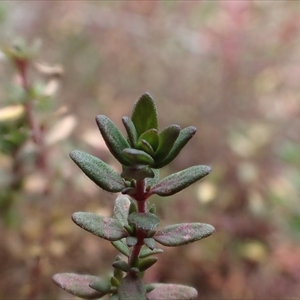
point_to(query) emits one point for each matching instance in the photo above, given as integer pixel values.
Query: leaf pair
(131, 287)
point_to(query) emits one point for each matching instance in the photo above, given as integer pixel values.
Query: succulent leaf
(101, 285)
(145, 221)
(147, 252)
(150, 181)
(119, 245)
(121, 208)
(104, 227)
(144, 114)
(150, 243)
(146, 263)
(114, 139)
(132, 287)
(184, 136)
(137, 172)
(78, 285)
(167, 139)
(131, 241)
(131, 131)
(172, 292)
(176, 182)
(121, 265)
(98, 171)
(151, 136)
(137, 157)
(181, 234)
(145, 146)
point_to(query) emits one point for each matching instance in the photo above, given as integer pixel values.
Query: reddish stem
(37, 137)
(141, 198)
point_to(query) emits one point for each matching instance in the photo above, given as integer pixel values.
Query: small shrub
(133, 229)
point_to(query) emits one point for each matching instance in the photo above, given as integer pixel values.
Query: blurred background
(232, 69)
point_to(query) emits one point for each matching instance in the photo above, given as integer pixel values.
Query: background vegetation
(232, 69)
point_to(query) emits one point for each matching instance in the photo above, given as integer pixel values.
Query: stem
(140, 198)
(35, 128)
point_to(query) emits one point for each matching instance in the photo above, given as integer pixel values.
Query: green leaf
(98, 171)
(131, 131)
(129, 191)
(176, 182)
(113, 138)
(145, 146)
(146, 263)
(101, 285)
(144, 114)
(184, 136)
(137, 157)
(121, 209)
(133, 208)
(78, 285)
(121, 265)
(114, 281)
(152, 209)
(145, 221)
(137, 172)
(172, 292)
(181, 234)
(104, 227)
(149, 288)
(147, 252)
(131, 241)
(120, 246)
(150, 243)
(132, 287)
(151, 136)
(155, 178)
(167, 139)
